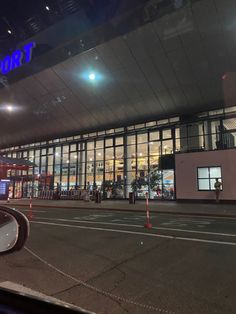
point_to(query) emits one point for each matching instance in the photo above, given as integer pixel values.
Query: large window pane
(203, 173)
(153, 136)
(57, 170)
(167, 147)
(65, 158)
(119, 140)
(154, 162)
(50, 160)
(166, 134)
(155, 148)
(50, 169)
(119, 152)
(109, 142)
(65, 169)
(109, 153)
(142, 138)
(64, 182)
(142, 163)
(65, 149)
(215, 172)
(90, 155)
(73, 147)
(58, 155)
(90, 145)
(99, 180)
(119, 165)
(109, 165)
(203, 184)
(99, 167)
(131, 139)
(131, 151)
(81, 180)
(73, 158)
(229, 124)
(131, 175)
(81, 167)
(90, 167)
(81, 156)
(109, 176)
(212, 184)
(99, 154)
(99, 144)
(142, 150)
(43, 161)
(131, 164)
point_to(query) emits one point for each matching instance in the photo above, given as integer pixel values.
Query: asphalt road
(107, 262)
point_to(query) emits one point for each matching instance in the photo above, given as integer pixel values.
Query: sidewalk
(166, 207)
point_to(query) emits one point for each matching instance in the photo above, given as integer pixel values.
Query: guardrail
(64, 195)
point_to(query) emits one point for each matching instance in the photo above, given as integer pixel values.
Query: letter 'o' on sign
(6, 65)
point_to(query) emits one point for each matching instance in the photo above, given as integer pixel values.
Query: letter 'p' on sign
(17, 58)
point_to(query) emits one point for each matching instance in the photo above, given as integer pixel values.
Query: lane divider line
(139, 226)
(138, 233)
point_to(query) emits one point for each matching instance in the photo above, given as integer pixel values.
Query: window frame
(209, 178)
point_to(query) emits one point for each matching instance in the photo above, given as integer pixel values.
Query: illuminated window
(206, 178)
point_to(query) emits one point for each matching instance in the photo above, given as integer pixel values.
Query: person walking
(217, 186)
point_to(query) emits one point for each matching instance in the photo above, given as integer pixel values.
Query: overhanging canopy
(180, 63)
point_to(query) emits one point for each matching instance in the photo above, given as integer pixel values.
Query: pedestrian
(217, 186)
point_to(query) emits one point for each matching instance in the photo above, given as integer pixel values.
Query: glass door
(168, 187)
(162, 184)
(18, 189)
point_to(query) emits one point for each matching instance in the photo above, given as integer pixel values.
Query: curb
(131, 210)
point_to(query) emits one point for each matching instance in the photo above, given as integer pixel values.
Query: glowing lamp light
(9, 108)
(92, 76)
(9, 31)
(47, 8)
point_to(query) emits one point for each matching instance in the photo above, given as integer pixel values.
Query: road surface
(107, 262)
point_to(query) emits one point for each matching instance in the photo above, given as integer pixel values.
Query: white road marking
(137, 233)
(34, 210)
(90, 222)
(140, 226)
(185, 222)
(94, 217)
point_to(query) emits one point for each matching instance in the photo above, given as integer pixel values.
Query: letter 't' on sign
(28, 51)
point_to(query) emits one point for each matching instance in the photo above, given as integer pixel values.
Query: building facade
(175, 158)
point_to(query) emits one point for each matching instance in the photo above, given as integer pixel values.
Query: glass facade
(137, 158)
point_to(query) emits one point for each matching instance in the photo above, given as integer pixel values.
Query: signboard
(4, 185)
(17, 58)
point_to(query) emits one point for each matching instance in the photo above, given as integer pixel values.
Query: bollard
(30, 208)
(147, 225)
